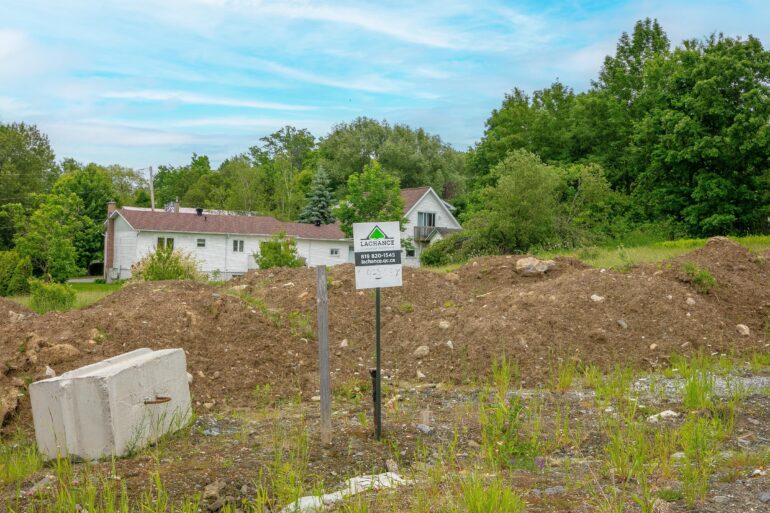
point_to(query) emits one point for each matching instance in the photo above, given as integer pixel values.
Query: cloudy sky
(145, 83)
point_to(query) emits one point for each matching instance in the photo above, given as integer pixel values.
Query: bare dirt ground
(258, 331)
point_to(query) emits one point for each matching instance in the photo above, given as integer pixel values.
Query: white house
(224, 243)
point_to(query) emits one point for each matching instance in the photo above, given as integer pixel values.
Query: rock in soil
(421, 352)
(764, 497)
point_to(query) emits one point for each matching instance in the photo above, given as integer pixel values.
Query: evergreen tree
(319, 206)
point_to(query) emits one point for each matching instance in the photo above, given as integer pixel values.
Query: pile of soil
(258, 329)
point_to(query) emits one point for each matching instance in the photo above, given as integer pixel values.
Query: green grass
(86, 294)
(619, 256)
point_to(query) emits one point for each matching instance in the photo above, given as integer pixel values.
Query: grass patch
(86, 294)
(18, 461)
(702, 279)
(627, 254)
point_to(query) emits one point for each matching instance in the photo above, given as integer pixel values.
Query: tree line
(667, 142)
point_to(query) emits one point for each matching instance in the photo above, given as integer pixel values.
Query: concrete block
(112, 407)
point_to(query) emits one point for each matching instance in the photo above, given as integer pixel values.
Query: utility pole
(152, 191)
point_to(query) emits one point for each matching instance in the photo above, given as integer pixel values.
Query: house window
(426, 219)
(201, 243)
(410, 252)
(334, 252)
(238, 246)
(165, 242)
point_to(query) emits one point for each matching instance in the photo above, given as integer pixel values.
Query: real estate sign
(377, 249)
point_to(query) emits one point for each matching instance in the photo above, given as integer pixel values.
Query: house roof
(412, 196)
(162, 221)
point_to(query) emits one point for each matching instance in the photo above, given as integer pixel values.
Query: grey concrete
(112, 407)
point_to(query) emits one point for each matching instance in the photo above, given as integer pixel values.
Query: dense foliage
(47, 296)
(373, 195)
(668, 141)
(15, 273)
(279, 251)
(166, 263)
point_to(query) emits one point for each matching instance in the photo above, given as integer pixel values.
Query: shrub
(457, 248)
(165, 263)
(51, 296)
(15, 272)
(279, 251)
(19, 283)
(702, 279)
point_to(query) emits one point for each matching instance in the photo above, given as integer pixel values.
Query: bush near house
(15, 272)
(279, 251)
(165, 263)
(48, 297)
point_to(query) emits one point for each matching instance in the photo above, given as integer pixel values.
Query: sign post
(377, 249)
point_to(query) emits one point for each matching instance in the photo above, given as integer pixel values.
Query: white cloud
(198, 99)
(370, 82)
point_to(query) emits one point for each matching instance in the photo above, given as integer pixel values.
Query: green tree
(413, 156)
(48, 237)
(174, 182)
(319, 202)
(702, 154)
(27, 166)
(520, 211)
(373, 195)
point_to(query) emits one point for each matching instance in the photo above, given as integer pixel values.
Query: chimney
(199, 211)
(109, 241)
(176, 206)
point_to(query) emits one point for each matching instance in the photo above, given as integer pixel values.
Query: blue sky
(144, 83)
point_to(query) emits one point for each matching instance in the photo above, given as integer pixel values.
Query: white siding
(318, 252)
(124, 254)
(430, 203)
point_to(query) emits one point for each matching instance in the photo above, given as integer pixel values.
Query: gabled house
(223, 243)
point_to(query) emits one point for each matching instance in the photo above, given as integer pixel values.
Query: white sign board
(377, 248)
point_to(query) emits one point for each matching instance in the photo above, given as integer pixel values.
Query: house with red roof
(224, 243)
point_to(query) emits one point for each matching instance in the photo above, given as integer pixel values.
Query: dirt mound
(11, 311)
(260, 328)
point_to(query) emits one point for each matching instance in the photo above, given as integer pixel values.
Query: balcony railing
(421, 233)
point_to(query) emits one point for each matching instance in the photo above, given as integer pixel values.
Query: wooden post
(322, 303)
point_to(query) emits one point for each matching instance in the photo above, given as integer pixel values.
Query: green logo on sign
(377, 233)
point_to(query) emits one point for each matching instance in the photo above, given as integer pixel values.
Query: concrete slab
(113, 407)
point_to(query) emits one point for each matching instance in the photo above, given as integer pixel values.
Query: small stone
(316, 398)
(344, 343)
(189, 378)
(597, 298)
(623, 324)
(721, 499)
(530, 266)
(753, 421)
(665, 414)
(764, 497)
(49, 372)
(421, 352)
(216, 375)
(201, 375)
(553, 490)
(690, 301)
(391, 465)
(449, 344)
(244, 489)
(444, 325)
(212, 490)
(684, 345)
(208, 406)
(743, 330)
(424, 429)
(41, 485)
(653, 347)
(289, 284)
(420, 375)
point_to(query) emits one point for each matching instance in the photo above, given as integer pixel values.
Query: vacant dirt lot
(259, 331)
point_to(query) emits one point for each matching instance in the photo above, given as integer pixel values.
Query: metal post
(322, 303)
(378, 377)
